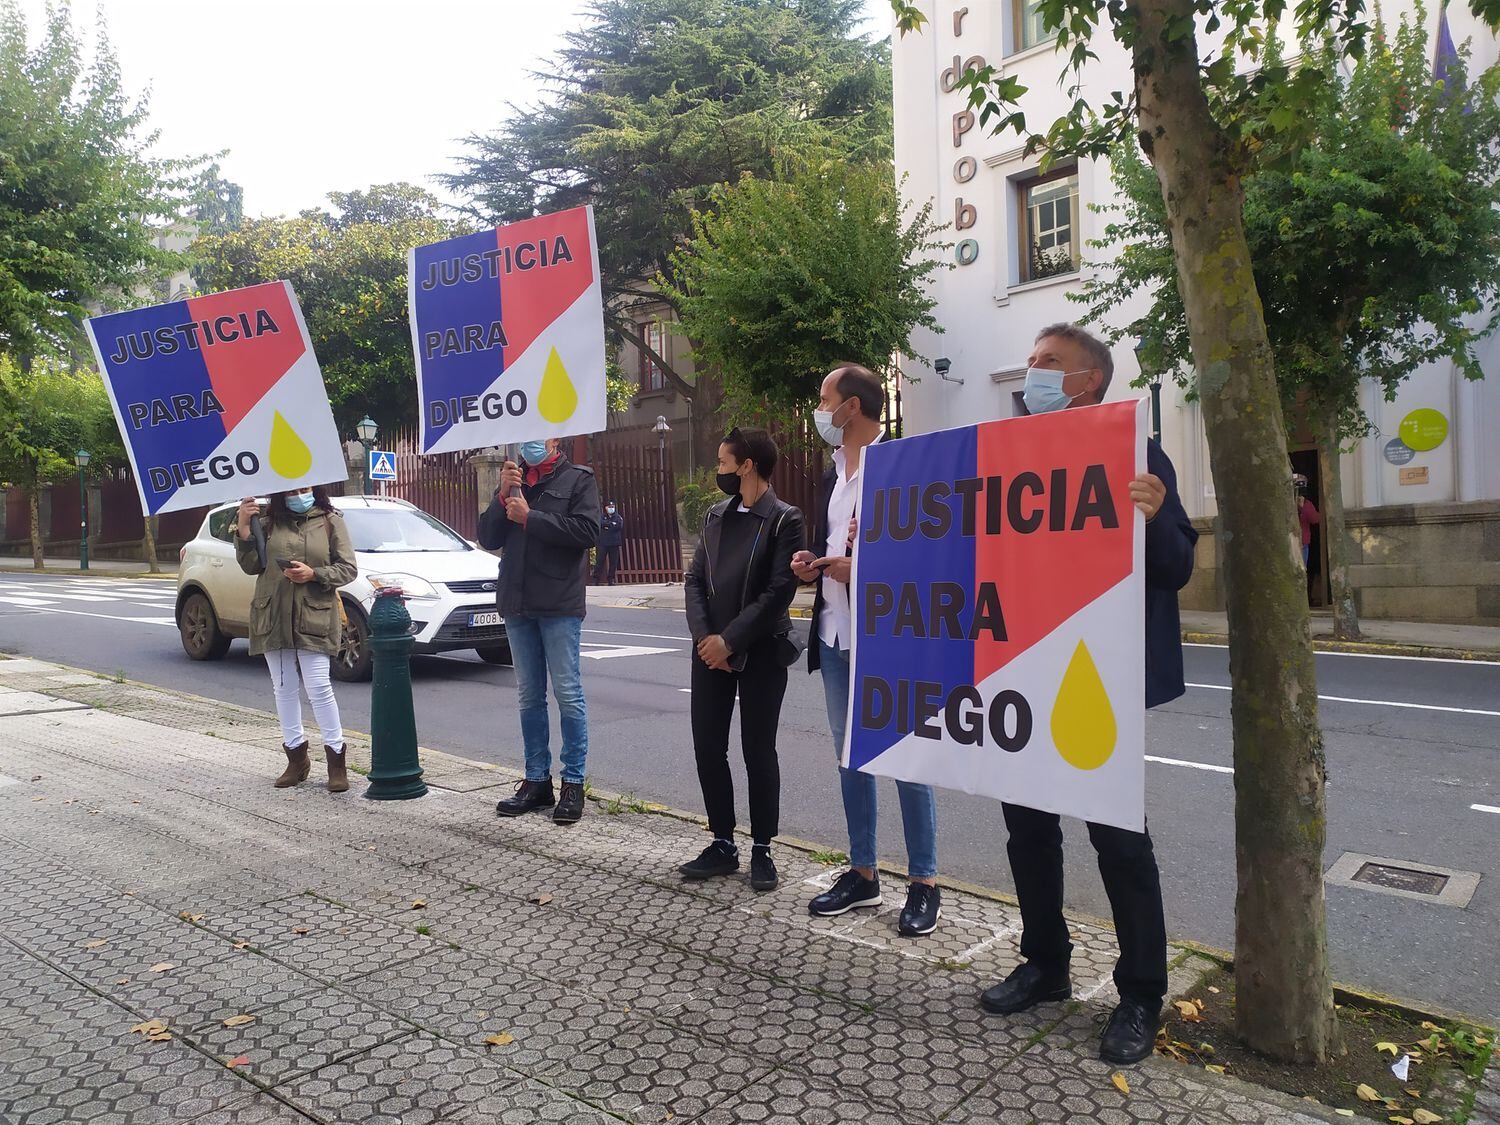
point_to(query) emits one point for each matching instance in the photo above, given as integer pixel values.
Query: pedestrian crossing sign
(382, 465)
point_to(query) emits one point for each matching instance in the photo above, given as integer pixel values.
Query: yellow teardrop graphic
(290, 456)
(1083, 722)
(558, 398)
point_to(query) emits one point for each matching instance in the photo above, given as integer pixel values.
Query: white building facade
(1021, 247)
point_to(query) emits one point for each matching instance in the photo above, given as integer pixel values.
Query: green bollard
(395, 772)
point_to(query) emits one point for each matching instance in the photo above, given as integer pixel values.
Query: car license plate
(478, 619)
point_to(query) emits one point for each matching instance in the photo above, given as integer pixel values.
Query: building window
(1029, 30)
(652, 378)
(1049, 225)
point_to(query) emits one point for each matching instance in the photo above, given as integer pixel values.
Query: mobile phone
(284, 563)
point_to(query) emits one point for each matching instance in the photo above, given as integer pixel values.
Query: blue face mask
(1044, 392)
(300, 501)
(533, 452)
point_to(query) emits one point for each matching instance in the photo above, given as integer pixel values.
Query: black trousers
(1127, 863)
(606, 565)
(760, 687)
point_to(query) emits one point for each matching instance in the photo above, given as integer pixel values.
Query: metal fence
(636, 472)
(444, 485)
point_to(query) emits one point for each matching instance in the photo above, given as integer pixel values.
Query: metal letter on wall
(964, 215)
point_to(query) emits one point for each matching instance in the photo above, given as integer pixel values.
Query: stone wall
(1408, 562)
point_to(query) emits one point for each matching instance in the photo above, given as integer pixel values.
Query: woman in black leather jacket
(738, 591)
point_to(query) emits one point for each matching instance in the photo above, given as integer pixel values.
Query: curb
(73, 572)
(1367, 648)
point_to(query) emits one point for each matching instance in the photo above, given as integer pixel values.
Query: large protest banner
(1000, 612)
(218, 397)
(508, 330)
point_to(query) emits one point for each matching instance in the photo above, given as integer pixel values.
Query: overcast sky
(312, 96)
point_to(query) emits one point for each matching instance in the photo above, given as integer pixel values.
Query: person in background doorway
(1307, 516)
(611, 542)
(544, 518)
(296, 618)
(738, 590)
(848, 418)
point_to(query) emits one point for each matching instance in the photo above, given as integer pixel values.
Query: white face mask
(1043, 391)
(823, 420)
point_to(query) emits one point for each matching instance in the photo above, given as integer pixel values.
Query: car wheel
(494, 654)
(353, 661)
(198, 625)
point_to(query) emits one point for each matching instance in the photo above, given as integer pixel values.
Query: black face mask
(729, 483)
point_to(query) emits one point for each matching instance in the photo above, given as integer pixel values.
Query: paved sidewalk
(109, 568)
(149, 872)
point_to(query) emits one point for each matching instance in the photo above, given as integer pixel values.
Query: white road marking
(1378, 702)
(167, 621)
(1189, 765)
(1486, 808)
(643, 636)
(1375, 656)
(610, 652)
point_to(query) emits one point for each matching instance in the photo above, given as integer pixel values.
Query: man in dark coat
(544, 518)
(1068, 367)
(611, 540)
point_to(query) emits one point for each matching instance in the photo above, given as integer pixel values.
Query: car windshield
(391, 530)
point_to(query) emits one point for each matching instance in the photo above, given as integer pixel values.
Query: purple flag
(1444, 54)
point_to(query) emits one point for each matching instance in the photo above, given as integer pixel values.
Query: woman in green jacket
(296, 620)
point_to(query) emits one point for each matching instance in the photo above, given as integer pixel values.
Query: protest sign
(218, 397)
(508, 330)
(999, 613)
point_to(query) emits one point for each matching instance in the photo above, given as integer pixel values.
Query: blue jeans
(539, 645)
(918, 805)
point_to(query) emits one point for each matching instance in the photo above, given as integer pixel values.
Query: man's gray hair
(1097, 349)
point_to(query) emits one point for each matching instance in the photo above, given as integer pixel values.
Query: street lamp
(1155, 384)
(81, 459)
(367, 431)
(662, 430)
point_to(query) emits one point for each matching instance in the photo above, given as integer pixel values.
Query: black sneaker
(1130, 1035)
(719, 858)
(1026, 987)
(529, 795)
(762, 870)
(924, 906)
(850, 892)
(570, 804)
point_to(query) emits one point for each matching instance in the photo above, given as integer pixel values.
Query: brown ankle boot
(338, 769)
(298, 764)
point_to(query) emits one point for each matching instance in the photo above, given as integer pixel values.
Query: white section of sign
(382, 465)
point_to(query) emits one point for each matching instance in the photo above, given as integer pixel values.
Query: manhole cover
(1401, 878)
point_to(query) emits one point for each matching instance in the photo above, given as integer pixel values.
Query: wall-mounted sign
(1397, 452)
(1414, 474)
(1424, 429)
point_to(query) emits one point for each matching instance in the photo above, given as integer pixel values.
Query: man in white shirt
(848, 417)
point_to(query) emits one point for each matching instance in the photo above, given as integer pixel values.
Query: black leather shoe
(924, 906)
(529, 795)
(719, 858)
(763, 875)
(570, 804)
(1026, 987)
(850, 892)
(1130, 1035)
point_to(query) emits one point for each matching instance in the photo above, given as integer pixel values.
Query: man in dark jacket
(611, 540)
(1068, 367)
(544, 518)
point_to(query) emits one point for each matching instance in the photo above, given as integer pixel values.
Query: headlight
(410, 584)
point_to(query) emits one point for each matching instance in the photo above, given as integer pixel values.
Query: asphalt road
(1413, 746)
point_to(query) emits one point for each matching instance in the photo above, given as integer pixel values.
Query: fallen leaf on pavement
(97, 943)
(1390, 1048)
(541, 899)
(1214, 1067)
(1414, 1092)
(1399, 1120)
(123, 980)
(239, 1021)
(1120, 1084)
(502, 1039)
(241, 945)
(1428, 1025)
(186, 917)
(162, 966)
(1214, 990)
(301, 930)
(1425, 1117)
(39, 798)
(1344, 1112)
(148, 1026)
(1185, 1007)
(1368, 1093)
(419, 904)
(238, 1060)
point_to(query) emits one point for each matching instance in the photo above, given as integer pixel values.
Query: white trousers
(284, 665)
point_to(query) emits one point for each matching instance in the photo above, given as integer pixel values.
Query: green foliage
(695, 496)
(657, 101)
(1375, 245)
(348, 268)
(80, 201)
(216, 205)
(619, 389)
(781, 280)
(47, 413)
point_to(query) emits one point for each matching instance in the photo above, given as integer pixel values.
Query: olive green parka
(288, 615)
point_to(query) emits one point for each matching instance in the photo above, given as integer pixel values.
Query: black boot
(529, 795)
(570, 804)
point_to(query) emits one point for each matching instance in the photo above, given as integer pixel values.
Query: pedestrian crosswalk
(144, 601)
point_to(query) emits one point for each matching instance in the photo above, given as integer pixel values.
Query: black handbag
(791, 645)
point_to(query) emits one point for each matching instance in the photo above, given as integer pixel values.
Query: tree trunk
(33, 504)
(148, 546)
(707, 408)
(1285, 995)
(1340, 592)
